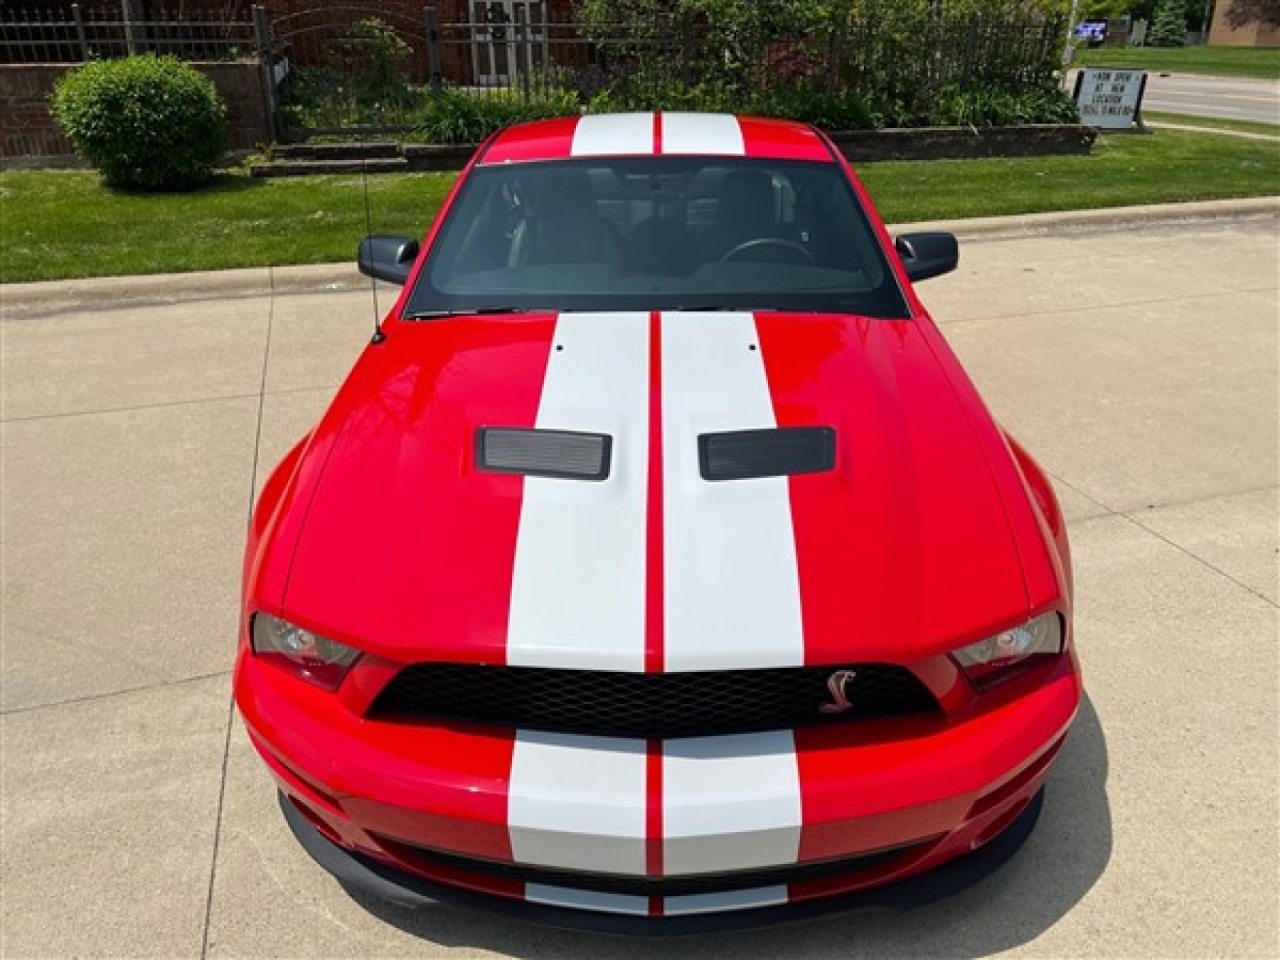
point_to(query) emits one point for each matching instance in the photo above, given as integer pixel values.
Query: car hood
(412, 552)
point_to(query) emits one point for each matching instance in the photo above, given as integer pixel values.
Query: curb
(31, 300)
(1043, 224)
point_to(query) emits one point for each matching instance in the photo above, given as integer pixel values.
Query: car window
(658, 233)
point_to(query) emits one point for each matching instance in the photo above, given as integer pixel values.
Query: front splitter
(368, 876)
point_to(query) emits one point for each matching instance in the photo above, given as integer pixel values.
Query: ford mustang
(657, 568)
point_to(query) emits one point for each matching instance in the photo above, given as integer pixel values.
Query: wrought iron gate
(509, 39)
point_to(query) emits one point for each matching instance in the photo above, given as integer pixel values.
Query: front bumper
(364, 875)
(416, 813)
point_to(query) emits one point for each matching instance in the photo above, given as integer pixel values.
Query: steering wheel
(769, 242)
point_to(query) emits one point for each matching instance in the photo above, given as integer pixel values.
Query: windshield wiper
(462, 312)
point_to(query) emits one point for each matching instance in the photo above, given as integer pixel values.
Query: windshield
(657, 233)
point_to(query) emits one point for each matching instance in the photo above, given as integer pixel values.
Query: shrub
(381, 61)
(154, 123)
(829, 109)
(956, 107)
(456, 116)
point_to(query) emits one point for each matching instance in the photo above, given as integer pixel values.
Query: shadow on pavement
(1059, 864)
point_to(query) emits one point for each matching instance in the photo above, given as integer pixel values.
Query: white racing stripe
(731, 584)
(730, 803)
(586, 900)
(606, 134)
(725, 901)
(702, 134)
(578, 802)
(578, 593)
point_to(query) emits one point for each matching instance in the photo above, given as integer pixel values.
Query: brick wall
(1222, 34)
(240, 84)
(28, 130)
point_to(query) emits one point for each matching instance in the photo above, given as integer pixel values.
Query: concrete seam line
(29, 301)
(1036, 224)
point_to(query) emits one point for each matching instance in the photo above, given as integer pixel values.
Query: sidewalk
(1135, 357)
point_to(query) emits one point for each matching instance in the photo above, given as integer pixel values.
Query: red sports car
(657, 568)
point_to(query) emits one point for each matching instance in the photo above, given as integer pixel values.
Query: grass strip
(1259, 63)
(59, 224)
(1213, 123)
(1169, 166)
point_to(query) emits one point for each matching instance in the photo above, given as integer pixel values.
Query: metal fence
(524, 46)
(358, 64)
(515, 50)
(89, 32)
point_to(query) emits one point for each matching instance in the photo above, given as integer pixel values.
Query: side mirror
(387, 258)
(926, 255)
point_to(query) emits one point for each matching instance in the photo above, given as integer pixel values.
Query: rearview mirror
(387, 258)
(926, 255)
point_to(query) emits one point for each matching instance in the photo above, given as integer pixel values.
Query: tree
(1243, 13)
(1102, 9)
(1170, 27)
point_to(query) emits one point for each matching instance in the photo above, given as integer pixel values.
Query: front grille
(426, 858)
(648, 705)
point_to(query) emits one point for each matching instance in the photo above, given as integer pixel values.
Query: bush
(828, 109)
(154, 123)
(958, 107)
(380, 66)
(456, 116)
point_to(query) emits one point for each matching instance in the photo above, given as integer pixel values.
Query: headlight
(322, 661)
(1007, 654)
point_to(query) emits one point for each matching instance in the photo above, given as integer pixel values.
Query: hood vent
(748, 454)
(561, 454)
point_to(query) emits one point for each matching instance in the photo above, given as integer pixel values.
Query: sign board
(1110, 98)
(1092, 32)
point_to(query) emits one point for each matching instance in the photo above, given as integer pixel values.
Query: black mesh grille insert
(561, 454)
(781, 452)
(427, 858)
(644, 705)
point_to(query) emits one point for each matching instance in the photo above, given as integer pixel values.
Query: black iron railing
(99, 32)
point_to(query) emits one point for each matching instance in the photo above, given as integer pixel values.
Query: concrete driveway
(1138, 363)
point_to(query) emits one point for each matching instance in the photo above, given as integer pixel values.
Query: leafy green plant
(843, 64)
(379, 70)
(148, 122)
(956, 106)
(366, 83)
(829, 109)
(460, 116)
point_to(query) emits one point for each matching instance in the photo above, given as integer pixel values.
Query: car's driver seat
(746, 210)
(564, 225)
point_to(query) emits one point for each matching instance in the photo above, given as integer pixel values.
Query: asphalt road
(1138, 362)
(1200, 96)
(1227, 98)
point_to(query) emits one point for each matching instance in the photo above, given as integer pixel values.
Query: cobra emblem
(836, 684)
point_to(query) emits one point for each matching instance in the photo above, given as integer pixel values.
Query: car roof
(649, 134)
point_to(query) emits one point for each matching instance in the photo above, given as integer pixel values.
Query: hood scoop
(560, 454)
(781, 452)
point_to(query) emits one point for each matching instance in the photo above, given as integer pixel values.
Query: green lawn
(62, 224)
(58, 224)
(1216, 61)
